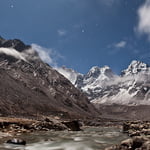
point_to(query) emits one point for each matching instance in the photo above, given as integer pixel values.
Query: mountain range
(29, 87)
(103, 86)
(117, 95)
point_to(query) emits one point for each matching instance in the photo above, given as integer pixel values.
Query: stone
(139, 141)
(136, 133)
(126, 127)
(146, 131)
(127, 143)
(47, 120)
(16, 141)
(146, 146)
(72, 125)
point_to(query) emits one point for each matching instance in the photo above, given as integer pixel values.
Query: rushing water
(89, 139)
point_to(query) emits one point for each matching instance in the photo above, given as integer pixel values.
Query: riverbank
(16, 126)
(139, 133)
(23, 125)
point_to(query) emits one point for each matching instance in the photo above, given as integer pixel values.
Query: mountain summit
(16, 44)
(94, 80)
(136, 67)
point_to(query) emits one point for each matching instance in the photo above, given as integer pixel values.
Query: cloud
(61, 32)
(116, 47)
(144, 19)
(119, 80)
(121, 44)
(12, 52)
(48, 55)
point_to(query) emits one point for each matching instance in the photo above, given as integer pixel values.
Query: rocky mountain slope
(102, 86)
(31, 88)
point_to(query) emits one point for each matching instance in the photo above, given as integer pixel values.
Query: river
(89, 139)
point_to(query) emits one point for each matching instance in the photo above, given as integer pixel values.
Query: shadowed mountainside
(31, 88)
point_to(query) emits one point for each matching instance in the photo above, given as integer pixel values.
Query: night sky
(80, 34)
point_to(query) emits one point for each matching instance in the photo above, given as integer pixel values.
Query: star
(82, 30)
(11, 6)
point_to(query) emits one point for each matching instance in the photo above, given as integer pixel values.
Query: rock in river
(16, 141)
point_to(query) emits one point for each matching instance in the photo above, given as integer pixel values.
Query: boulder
(72, 125)
(127, 143)
(146, 145)
(16, 141)
(139, 141)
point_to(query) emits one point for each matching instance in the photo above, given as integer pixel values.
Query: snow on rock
(70, 74)
(136, 67)
(94, 80)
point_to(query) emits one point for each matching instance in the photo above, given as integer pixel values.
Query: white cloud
(121, 44)
(46, 54)
(68, 73)
(144, 18)
(12, 52)
(116, 47)
(49, 56)
(61, 32)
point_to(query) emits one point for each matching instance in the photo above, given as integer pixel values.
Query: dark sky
(81, 33)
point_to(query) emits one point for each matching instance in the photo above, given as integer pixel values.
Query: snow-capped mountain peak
(97, 71)
(94, 71)
(136, 67)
